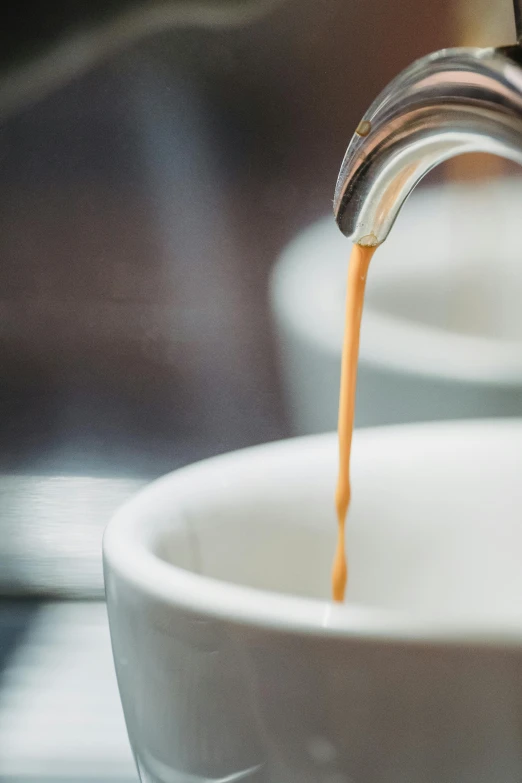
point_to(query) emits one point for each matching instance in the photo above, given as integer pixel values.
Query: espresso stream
(357, 271)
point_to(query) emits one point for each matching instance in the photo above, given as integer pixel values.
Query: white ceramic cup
(234, 665)
(442, 324)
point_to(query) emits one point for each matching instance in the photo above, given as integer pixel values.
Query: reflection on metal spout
(449, 103)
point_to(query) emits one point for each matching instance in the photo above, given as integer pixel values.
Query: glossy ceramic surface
(233, 664)
(442, 324)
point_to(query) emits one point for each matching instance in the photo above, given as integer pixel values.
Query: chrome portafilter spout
(448, 103)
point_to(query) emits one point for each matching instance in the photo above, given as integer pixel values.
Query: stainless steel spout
(451, 102)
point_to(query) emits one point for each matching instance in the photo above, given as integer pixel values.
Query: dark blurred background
(142, 205)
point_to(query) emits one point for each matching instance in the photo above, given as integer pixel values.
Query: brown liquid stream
(357, 273)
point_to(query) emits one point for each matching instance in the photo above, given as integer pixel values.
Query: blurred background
(155, 161)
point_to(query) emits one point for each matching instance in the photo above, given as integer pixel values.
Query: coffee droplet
(370, 240)
(363, 128)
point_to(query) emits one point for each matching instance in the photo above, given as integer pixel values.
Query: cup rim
(125, 553)
(389, 341)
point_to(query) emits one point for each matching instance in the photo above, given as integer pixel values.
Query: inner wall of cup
(452, 263)
(474, 295)
(261, 533)
(433, 527)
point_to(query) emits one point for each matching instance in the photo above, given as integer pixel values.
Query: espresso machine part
(451, 102)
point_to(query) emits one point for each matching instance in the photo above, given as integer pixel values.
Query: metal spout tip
(449, 103)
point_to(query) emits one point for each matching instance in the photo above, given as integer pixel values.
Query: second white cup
(442, 324)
